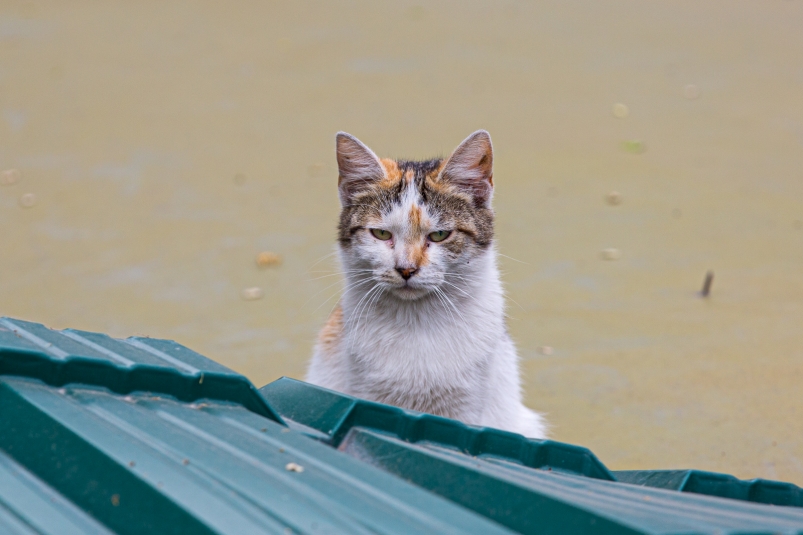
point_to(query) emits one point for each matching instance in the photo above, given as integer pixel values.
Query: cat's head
(412, 227)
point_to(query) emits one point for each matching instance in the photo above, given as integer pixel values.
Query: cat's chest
(414, 354)
(439, 371)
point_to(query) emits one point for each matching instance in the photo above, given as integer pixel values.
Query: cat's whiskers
(439, 294)
(465, 321)
(514, 259)
(341, 273)
(355, 317)
(506, 295)
(335, 271)
(349, 286)
(462, 291)
(463, 278)
(324, 257)
(352, 320)
(373, 300)
(319, 291)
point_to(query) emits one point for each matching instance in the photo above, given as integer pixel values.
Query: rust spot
(330, 334)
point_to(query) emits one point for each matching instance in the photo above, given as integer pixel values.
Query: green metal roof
(99, 435)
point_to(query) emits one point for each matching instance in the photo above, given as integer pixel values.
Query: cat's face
(412, 227)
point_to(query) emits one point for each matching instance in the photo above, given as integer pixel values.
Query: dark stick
(709, 278)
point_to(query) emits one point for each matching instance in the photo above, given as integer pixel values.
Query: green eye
(439, 235)
(380, 234)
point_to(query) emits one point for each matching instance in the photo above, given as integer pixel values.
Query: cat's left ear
(470, 168)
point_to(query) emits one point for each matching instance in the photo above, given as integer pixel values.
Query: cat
(420, 324)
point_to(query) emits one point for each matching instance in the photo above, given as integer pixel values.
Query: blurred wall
(151, 150)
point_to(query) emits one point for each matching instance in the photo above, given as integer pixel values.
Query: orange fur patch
(432, 179)
(392, 172)
(329, 336)
(418, 255)
(415, 219)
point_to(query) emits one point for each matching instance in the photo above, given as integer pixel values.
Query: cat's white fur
(443, 350)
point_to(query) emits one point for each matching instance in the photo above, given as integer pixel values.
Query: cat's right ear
(470, 168)
(357, 165)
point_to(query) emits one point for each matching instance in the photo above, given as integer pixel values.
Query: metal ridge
(122, 366)
(335, 414)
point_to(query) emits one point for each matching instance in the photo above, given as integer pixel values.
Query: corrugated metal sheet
(548, 487)
(99, 435)
(713, 484)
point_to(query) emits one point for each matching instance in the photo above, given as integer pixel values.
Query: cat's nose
(406, 273)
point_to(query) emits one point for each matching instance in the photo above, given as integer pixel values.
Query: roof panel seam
(161, 354)
(46, 346)
(99, 348)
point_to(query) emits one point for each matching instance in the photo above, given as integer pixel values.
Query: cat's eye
(439, 235)
(380, 234)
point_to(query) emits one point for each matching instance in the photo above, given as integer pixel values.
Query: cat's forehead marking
(418, 255)
(414, 218)
(406, 214)
(392, 172)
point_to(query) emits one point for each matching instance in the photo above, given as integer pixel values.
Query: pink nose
(406, 273)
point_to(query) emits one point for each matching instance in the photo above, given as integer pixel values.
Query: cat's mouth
(408, 292)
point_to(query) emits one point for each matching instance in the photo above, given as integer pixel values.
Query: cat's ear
(471, 168)
(357, 165)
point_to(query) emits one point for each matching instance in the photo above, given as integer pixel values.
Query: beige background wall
(165, 144)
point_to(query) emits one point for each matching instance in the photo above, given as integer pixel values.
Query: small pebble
(9, 177)
(28, 200)
(132, 464)
(634, 146)
(546, 350)
(268, 258)
(185, 462)
(252, 294)
(620, 111)
(293, 467)
(239, 179)
(614, 198)
(691, 92)
(611, 254)
(115, 500)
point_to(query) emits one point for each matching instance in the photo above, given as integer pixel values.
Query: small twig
(709, 279)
